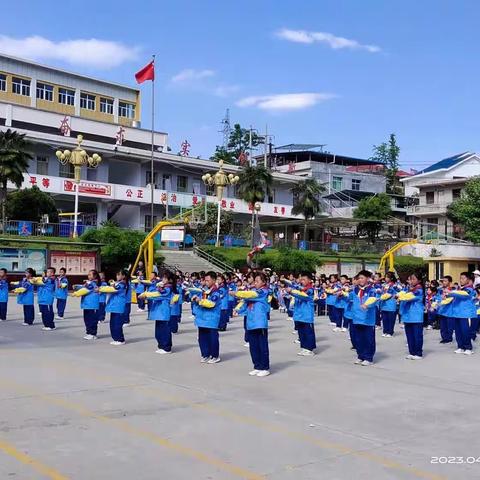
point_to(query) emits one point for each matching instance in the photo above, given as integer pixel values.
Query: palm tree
(254, 185)
(14, 160)
(306, 202)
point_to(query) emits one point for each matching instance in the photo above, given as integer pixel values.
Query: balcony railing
(434, 209)
(27, 229)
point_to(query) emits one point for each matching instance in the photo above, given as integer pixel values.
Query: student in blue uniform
(303, 314)
(463, 310)
(128, 303)
(160, 312)
(388, 304)
(45, 297)
(363, 299)
(412, 308)
(256, 307)
(102, 298)
(447, 323)
(3, 294)
(475, 322)
(232, 287)
(139, 288)
(222, 289)
(25, 296)
(340, 304)
(116, 300)
(89, 303)
(331, 299)
(61, 292)
(175, 307)
(207, 319)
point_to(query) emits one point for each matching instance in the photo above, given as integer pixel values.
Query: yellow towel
(36, 281)
(14, 283)
(175, 299)
(107, 289)
(146, 282)
(459, 292)
(63, 285)
(206, 303)
(246, 294)
(20, 290)
(385, 296)
(239, 305)
(150, 294)
(300, 293)
(446, 301)
(136, 280)
(81, 293)
(403, 296)
(370, 301)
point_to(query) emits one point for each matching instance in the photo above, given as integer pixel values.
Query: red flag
(146, 73)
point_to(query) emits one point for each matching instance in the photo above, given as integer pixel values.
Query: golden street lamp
(78, 157)
(220, 180)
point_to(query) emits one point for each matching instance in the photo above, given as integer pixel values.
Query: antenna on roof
(226, 128)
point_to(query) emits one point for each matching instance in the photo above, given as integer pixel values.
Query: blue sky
(343, 73)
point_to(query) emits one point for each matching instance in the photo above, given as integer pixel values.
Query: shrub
(406, 265)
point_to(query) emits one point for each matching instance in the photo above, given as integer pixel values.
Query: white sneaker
(333, 323)
(358, 361)
(125, 325)
(378, 327)
(117, 343)
(163, 352)
(429, 327)
(204, 359)
(387, 335)
(58, 318)
(246, 345)
(214, 360)
(306, 353)
(410, 357)
(416, 357)
(459, 350)
(294, 332)
(296, 341)
(367, 363)
(402, 325)
(25, 324)
(336, 329)
(468, 352)
(343, 329)
(89, 337)
(384, 334)
(254, 372)
(263, 373)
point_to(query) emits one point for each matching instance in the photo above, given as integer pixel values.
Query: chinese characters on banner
(76, 263)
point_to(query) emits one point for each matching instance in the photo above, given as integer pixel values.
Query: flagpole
(152, 177)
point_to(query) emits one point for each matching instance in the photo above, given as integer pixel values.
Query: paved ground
(72, 409)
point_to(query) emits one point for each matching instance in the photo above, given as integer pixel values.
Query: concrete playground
(85, 410)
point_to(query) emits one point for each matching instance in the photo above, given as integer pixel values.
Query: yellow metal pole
(150, 257)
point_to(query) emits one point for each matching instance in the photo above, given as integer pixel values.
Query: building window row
(106, 105)
(126, 110)
(87, 101)
(44, 91)
(21, 86)
(66, 96)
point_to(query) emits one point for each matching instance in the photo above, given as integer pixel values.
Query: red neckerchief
(415, 288)
(307, 287)
(209, 292)
(361, 292)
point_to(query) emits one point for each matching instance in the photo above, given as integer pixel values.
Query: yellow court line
(39, 467)
(267, 426)
(132, 430)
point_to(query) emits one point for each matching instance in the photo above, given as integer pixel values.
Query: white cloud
(190, 74)
(225, 90)
(304, 36)
(285, 101)
(100, 54)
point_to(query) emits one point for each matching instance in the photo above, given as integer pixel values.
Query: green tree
(30, 204)
(120, 247)
(373, 211)
(465, 211)
(254, 185)
(291, 260)
(388, 153)
(238, 142)
(209, 228)
(306, 201)
(14, 159)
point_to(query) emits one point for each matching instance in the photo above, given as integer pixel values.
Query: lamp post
(220, 180)
(77, 157)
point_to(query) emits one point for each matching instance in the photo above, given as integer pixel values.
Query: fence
(24, 228)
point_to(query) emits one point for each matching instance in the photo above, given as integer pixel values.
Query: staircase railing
(224, 266)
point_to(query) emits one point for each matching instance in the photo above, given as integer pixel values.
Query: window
(44, 92)
(20, 86)
(126, 110)
(42, 165)
(106, 105)
(66, 96)
(456, 193)
(66, 171)
(166, 182)
(271, 196)
(148, 177)
(87, 101)
(92, 173)
(3, 82)
(439, 269)
(337, 183)
(148, 222)
(430, 197)
(356, 184)
(182, 183)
